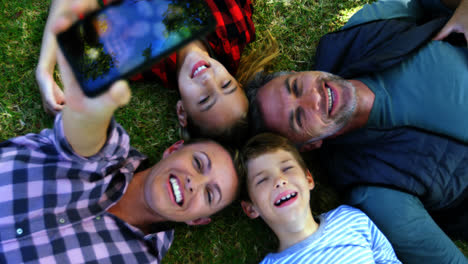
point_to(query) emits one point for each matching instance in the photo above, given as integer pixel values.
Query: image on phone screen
(125, 38)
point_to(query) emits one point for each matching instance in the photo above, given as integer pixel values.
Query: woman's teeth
(176, 190)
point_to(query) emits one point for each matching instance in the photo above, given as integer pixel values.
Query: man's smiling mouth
(176, 190)
(331, 96)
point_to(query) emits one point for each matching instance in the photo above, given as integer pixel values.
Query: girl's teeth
(199, 69)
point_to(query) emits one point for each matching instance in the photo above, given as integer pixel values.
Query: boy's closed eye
(263, 179)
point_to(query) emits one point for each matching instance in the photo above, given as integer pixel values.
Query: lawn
(150, 117)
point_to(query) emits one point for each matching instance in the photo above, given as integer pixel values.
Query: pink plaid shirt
(53, 202)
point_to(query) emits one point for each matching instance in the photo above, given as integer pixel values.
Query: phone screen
(123, 39)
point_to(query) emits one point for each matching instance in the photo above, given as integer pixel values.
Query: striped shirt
(345, 235)
(53, 202)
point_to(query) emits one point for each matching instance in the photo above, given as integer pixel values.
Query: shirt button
(61, 220)
(19, 231)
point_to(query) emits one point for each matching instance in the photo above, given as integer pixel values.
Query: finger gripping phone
(130, 36)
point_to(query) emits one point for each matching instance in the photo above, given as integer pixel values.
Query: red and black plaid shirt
(234, 30)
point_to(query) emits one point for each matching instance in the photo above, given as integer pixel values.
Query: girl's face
(209, 93)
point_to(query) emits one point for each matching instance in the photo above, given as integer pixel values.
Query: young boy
(277, 189)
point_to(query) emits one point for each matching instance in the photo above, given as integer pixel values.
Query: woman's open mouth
(176, 191)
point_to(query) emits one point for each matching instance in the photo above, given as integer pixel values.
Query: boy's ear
(311, 146)
(199, 221)
(179, 144)
(310, 180)
(181, 114)
(249, 209)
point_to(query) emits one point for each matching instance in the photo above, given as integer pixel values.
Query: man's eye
(226, 85)
(204, 100)
(299, 114)
(296, 91)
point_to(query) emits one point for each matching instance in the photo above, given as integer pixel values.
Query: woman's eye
(204, 100)
(287, 168)
(226, 85)
(198, 163)
(210, 196)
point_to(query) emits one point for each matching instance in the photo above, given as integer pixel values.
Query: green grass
(150, 117)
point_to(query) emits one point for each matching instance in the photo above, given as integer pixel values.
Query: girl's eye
(204, 100)
(287, 168)
(226, 85)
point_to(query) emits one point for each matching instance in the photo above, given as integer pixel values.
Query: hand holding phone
(126, 37)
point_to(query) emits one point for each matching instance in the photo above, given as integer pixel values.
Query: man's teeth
(285, 198)
(199, 69)
(330, 100)
(176, 190)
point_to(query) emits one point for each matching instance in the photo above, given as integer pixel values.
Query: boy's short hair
(263, 144)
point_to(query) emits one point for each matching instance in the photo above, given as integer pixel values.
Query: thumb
(444, 32)
(120, 93)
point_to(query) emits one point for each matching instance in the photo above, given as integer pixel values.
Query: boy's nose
(280, 181)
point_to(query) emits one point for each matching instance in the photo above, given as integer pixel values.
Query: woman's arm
(85, 120)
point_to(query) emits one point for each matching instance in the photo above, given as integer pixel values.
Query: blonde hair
(258, 58)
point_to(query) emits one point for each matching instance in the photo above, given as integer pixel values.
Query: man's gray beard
(344, 114)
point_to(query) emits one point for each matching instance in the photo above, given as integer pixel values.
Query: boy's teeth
(285, 198)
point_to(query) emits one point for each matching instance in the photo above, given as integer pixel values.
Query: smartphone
(129, 36)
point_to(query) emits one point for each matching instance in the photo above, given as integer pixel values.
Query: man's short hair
(262, 144)
(256, 122)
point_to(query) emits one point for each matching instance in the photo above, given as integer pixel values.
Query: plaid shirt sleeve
(234, 30)
(53, 202)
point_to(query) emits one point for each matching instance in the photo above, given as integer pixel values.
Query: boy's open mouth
(177, 193)
(285, 198)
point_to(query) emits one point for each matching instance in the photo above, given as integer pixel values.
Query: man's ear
(310, 180)
(199, 221)
(179, 144)
(181, 114)
(311, 146)
(249, 209)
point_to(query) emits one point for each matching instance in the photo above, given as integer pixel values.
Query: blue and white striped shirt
(345, 235)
